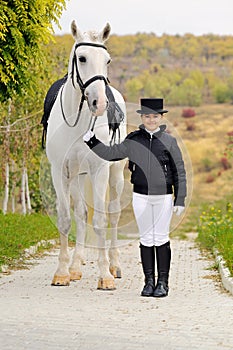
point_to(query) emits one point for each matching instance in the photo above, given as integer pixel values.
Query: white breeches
(153, 215)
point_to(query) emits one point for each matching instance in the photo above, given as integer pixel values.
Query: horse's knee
(80, 214)
(99, 222)
(64, 224)
(114, 207)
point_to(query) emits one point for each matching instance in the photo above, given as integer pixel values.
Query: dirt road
(197, 314)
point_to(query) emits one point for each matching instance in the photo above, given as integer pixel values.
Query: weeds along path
(197, 314)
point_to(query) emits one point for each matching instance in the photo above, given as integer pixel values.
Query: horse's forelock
(91, 36)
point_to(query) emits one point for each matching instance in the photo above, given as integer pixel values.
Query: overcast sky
(145, 16)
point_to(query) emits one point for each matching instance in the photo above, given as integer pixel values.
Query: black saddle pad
(50, 98)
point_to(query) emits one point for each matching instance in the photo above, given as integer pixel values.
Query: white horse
(81, 98)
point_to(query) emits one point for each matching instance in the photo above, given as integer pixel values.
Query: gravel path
(197, 314)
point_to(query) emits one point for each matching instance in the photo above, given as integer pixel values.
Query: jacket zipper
(149, 163)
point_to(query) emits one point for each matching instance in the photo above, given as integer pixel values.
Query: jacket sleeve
(110, 153)
(179, 174)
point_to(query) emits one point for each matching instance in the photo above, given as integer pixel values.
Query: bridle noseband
(80, 83)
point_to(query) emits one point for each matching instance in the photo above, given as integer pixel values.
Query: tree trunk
(6, 146)
(6, 195)
(28, 192)
(23, 199)
(13, 187)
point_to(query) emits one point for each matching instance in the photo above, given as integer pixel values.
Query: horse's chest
(81, 160)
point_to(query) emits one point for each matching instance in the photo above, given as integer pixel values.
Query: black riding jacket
(155, 162)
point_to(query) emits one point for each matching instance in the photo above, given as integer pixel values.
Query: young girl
(158, 175)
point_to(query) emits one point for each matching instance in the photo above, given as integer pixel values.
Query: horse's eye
(109, 61)
(82, 59)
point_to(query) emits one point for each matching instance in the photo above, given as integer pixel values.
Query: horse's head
(88, 64)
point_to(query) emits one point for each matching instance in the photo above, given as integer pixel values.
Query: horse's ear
(104, 35)
(76, 32)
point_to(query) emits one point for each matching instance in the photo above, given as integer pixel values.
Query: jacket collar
(156, 134)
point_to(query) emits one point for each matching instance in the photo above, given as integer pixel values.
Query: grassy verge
(215, 229)
(214, 224)
(18, 232)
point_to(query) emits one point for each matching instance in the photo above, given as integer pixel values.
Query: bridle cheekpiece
(80, 83)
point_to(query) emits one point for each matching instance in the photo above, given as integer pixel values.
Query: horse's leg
(80, 213)
(100, 184)
(61, 185)
(116, 184)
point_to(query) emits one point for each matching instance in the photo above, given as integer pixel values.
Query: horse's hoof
(115, 271)
(75, 275)
(106, 284)
(61, 280)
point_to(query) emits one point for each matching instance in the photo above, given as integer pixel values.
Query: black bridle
(80, 83)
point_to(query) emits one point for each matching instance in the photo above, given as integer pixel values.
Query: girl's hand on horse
(89, 134)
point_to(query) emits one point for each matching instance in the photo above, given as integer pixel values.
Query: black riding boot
(163, 258)
(148, 265)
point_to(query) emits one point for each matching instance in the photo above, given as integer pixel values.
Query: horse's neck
(71, 97)
(71, 103)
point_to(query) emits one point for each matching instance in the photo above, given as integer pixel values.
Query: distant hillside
(186, 70)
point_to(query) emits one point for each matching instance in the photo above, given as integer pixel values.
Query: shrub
(225, 163)
(210, 178)
(229, 148)
(190, 126)
(221, 93)
(215, 230)
(188, 113)
(207, 164)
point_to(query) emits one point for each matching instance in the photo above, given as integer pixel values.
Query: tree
(25, 30)
(230, 87)
(221, 92)
(133, 89)
(24, 27)
(185, 94)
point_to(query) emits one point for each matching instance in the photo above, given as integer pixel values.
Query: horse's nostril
(94, 103)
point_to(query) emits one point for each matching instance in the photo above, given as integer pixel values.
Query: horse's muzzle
(98, 107)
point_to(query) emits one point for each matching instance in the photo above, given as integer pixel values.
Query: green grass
(18, 232)
(214, 224)
(215, 229)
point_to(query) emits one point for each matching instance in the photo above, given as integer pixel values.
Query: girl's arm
(179, 174)
(110, 153)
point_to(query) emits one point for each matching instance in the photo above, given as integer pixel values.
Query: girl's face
(151, 121)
